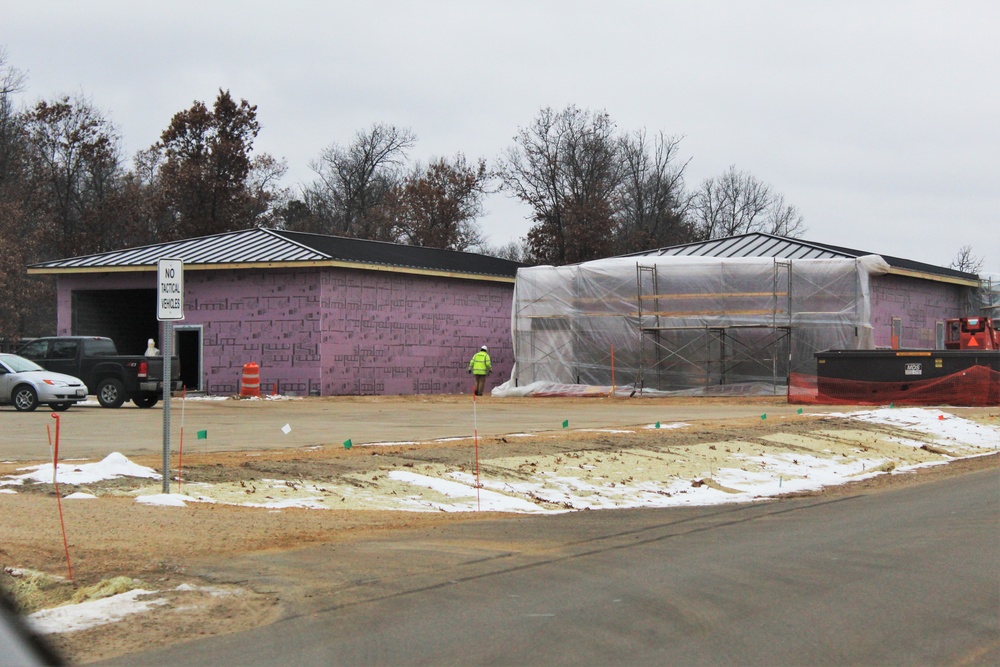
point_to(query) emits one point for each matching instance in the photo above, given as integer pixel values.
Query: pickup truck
(114, 378)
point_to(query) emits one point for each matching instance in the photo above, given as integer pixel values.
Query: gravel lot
(611, 450)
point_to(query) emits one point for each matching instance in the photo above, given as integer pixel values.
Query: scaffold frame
(723, 347)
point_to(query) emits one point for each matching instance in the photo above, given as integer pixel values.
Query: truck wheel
(111, 393)
(24, 398)
(60, 407)
(145, 400)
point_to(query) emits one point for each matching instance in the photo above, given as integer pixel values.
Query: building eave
(277, 265)
(923, 275)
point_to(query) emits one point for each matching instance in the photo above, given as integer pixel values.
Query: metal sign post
(169, 307)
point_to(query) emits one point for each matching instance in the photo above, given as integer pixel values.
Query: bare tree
(12, 81)
(651, 197)
(352, 196)
(145, 211)
(566, 167)
(265, 193)
(784, 220)
(76, 162)
(738, 203)
(966, 261)
(28, 306)
(515, 251)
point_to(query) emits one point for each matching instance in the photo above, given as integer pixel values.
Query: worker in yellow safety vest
(480, 367)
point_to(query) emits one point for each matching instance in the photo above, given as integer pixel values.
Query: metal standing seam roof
(252, 247)
(781, 247)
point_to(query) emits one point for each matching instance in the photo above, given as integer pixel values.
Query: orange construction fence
(977, 386)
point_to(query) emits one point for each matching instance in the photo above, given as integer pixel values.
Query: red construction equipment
(971, 333)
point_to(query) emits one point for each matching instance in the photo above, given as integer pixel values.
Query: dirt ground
(116, 543)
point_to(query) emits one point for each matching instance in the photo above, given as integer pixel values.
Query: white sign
(170, 289)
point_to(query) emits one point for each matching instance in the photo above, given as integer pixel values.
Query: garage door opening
(127, 317)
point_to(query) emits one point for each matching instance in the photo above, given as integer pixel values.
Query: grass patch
(33, 591)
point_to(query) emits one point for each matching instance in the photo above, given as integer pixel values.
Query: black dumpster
(914, 377)
(900, 365)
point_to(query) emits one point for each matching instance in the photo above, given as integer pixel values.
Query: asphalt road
(907, 576)
(92, 431)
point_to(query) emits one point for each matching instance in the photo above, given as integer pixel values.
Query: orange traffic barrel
(250, 385)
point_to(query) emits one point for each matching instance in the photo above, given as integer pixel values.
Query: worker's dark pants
(480, 384)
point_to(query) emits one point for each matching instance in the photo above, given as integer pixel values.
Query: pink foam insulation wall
(332, 331)
(919, 304)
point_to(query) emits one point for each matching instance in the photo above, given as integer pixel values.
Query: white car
(25, 384)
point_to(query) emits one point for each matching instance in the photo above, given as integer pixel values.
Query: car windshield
(19, 364)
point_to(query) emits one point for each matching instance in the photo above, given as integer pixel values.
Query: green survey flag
(657, 424)
(203, 435)
(764, 416)
(348, 443)
(565, 423)
(799, 411)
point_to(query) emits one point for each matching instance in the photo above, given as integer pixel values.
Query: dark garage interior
(127, 317)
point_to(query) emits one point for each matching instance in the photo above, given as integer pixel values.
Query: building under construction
(734, 315)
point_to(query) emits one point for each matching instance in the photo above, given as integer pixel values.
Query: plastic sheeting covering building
(989, 295)
(700, 325)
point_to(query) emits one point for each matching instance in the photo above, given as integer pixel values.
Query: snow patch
(80, 495)
(113, 465)
(85, 615)
(164, 499)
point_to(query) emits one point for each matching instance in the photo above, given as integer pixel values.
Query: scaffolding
(700, 325)
(989, 296)
(705, 355)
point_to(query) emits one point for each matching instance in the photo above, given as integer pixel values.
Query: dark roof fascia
(908, 264)
(346, 249)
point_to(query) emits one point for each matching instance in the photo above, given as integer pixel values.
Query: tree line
(67, 189)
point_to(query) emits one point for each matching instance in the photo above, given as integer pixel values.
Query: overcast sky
(879, 121)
